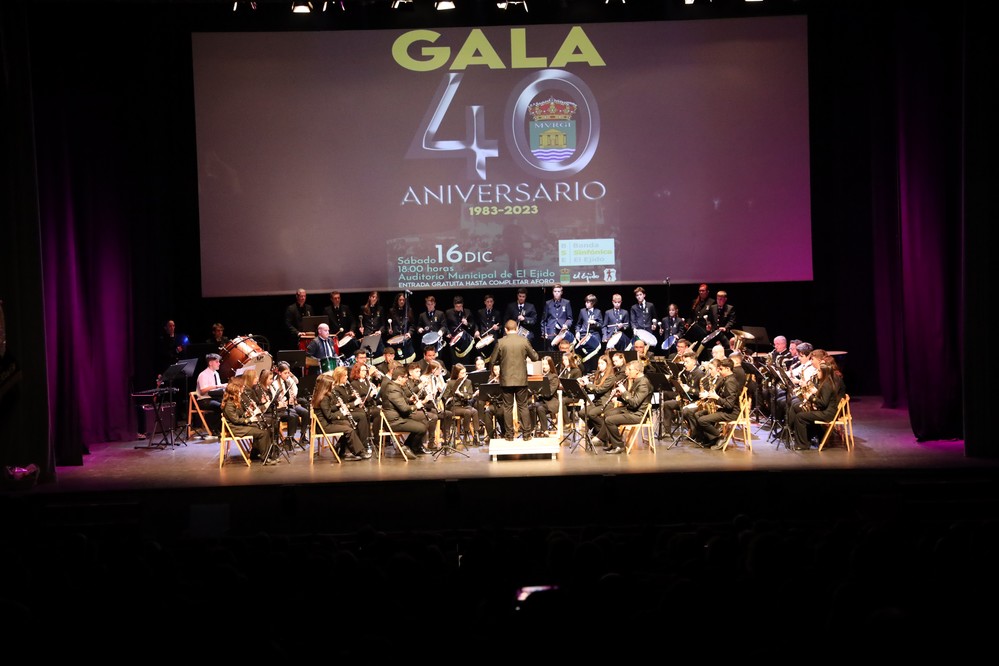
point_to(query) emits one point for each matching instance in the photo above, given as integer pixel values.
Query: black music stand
(660, 384)
(181, 430)
(494, 394)
(758, 380)
(168, 377)
(571, 388)
(681, 393)
(780, 431)
(760, 336)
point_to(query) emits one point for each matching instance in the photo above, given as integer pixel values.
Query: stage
(181, 483)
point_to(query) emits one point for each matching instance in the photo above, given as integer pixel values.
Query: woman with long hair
(373, 323)
(334, 415)
(546, 401)
(243, 421)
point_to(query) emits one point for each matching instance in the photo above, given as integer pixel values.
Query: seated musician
(599, 384)
(209, 393)
(819, 403)
(725, 399)
(689, 379)
(457, 399)
(633, 395)
(420, 393)
(244, 420)
(545, 404)
(332, 409)
(491, 411)
(285, 394)
(361, 383)
(323, 348)
(400, 412)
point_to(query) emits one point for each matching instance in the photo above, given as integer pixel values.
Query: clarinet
(345, 411)
(417, 402)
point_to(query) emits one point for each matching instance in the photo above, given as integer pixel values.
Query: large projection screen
(503, 156)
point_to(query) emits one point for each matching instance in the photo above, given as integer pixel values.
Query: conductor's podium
(518, 447)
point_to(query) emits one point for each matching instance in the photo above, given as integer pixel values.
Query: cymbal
(835, 353)
(741, 334)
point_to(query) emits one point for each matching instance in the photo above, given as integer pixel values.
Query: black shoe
(801, 447)
(508, 438)
(717, 444)
(616, 450)
(528, 436)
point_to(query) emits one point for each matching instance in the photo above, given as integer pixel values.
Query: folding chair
(317, 432)
(842, 420)
(631, 431)
(244, 443)
(192, 409)
(387, 432)
(743, 420)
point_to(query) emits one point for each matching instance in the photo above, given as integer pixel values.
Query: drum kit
(243, 353)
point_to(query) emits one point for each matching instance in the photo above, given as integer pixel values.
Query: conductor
(511, 355)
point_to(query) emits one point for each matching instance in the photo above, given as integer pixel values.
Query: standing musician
(643, 313)
(511, 355)
(589, 321)
(244, 420)
(457, 320)
(324, 348)
(556, 318)
(219, 338)
(431, 320)
(699, 308)
(721, 315)
(400, 413)
(293, 315)
(524, 313)
(633, 395)
(373, 321)
(342, 323)
(673, 324)
(401, 321)
(488, 323)
(725, 399)
(329, 401)
(458, 400)
(616, 318)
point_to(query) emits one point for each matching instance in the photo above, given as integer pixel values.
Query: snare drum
(240, 354)
(650, 339)
(485, 341)
(397, 340)
(620, 341)
(433, 338)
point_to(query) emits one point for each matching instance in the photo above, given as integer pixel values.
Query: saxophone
(707, 404)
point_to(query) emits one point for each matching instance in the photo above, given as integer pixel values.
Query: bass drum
(588, 346)
(461, 343)
(243, 353)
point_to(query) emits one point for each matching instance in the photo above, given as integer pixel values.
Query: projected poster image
(506, 156)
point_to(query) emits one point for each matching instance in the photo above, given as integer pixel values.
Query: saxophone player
(725, 398)
(634, 393)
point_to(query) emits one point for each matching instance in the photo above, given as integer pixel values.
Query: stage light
(441, 6)
(403, 4)
(237, 3)
(342, 8)
(301, 7)
(506, 5)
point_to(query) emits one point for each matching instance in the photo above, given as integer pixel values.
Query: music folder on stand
(571, 390)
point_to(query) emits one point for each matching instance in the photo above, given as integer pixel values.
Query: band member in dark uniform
(616, 319)
(402, 321)
(545, 404)
(819, 402)
(725, 397)
(400, 413)
(373, 322)
(243, 420)
(523, 313)
(458, 399)
(334, 415)
(556, 318)
(590, 321)
(489, 323)
(323, 348)
(218, 337)
(343, 325)
(458, 320)
(634, 394)
(511, 355)
(673, 324)
(721, 316)
(643, 313)
(699, 308)
(431, 320)
(293, 315)
(361, 385)
(690, 380)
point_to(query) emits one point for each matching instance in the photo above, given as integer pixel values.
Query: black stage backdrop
(104, 125)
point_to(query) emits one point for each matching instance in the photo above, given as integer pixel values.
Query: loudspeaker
(167, 415)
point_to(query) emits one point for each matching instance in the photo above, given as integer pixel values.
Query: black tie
(217, 382)
(329, 352)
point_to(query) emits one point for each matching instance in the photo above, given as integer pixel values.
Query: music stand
(783, 434)
(493, 393)
(571, 388)
(630, 355)
(681, 393)
(660, 384)
(311, 323)
(294, 358)
(190, 364)
(760, 336)
(169, 375)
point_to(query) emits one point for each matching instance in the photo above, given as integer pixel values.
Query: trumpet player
(632, 396)
(243, 420)
(725, 400)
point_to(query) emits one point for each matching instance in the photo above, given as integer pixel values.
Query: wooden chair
(192, 409)
(631, 431)
(843, 421)
(244, 443)
(743, 421)
(387, 433)
(326, 440)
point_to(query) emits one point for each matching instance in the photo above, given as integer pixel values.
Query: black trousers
(523, 397)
